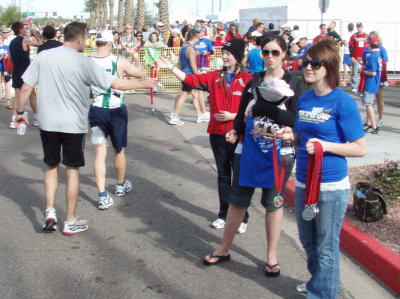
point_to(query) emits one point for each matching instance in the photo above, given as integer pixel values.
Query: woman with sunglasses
(140, 41)
(225, 87)
(253, 168)
(328, 121)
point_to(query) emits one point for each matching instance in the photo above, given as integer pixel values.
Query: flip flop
(221, 259)
(272, 274)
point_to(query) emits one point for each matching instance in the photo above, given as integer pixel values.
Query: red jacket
(222, 98)
(229, 36)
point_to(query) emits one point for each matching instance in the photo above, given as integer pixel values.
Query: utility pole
(220, 5)
(212, 7)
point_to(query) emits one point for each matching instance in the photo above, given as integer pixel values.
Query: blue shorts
(113, 123)
(347, 59)
(368, 98)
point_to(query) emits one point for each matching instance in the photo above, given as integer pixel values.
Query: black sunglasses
(275, 53)
(315, 63)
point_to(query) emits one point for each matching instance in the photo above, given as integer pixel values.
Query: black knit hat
(236, 46)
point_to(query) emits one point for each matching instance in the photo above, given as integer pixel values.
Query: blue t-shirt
(3, 51)
(373, 64)
(255, 61)
(333, 117)
(203, 45)
(300, 54)
(384, 54)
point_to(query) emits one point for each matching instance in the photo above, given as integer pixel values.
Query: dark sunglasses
(275, 53)
(315, 63)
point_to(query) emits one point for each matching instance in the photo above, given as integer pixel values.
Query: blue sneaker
(123, 188)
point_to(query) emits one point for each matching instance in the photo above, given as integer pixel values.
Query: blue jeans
(354, 75)
(320, 240)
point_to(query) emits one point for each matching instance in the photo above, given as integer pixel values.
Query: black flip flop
(221, 259)
(272, 274)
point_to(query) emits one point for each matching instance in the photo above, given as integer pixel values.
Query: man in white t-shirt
(259, 29)
(64, 76)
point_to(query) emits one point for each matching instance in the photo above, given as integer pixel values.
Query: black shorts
(72, 146)
(113, 123)
(17, 81)
(186, 87)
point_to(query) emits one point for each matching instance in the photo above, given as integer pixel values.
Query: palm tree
(128, 13)
(164, 16)
(105, 8)
(140, 14)
(120, 15)
(90, 7)
(111, 5)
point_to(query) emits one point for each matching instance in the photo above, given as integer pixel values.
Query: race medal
(278, 201)
(310, 212)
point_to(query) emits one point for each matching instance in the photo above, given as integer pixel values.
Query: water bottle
(21, 129)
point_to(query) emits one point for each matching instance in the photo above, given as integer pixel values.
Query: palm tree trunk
(140, 14)
(105, 8)
(111, 5)
(128, 13)
(164, 17)
(120, 15)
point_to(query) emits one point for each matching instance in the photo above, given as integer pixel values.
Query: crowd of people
(275, 102)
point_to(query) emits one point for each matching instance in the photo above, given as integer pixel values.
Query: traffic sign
(30, 14)
(323, 5)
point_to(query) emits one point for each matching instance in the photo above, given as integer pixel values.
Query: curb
(369, 252)
(393, 83)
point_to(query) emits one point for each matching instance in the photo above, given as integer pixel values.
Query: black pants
(223, 154)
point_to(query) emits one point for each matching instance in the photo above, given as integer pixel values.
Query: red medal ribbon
(153, 74)
(278, 176)
(314, 174)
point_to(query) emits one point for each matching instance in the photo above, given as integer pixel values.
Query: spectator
(333, 34)
(254, 26)
(152, 46)
(255, 61)
(259, 29)
(357, 44)
(91, 40)
(220, 40)
(49, 33)
(323, 33)
(346, 53)
(233, 32)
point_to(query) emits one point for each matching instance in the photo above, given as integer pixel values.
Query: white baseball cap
(105, 36)
(92, 31)
(159, 24)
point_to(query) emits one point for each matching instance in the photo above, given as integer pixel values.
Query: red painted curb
(394, 83)
(374, 256)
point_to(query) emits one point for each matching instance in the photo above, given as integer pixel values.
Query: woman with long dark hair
(328, 128)
(225, 87)
(254, 165)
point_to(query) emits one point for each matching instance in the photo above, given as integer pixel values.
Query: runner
(64, 76)
(187, 61)
(323, 34)
(20, 57)
(108, 116)
(225, 89)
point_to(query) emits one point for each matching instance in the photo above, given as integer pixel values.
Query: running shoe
(219, 223)
(343, 84)
(176, 121)
(242, 228)
(201, 119)
(379, 123)
(13, 125)
(105, 202)
(206, 116)
(368, 129)
(72, 228)
(36, 123)
(122, 189)
(301, 288)
(354, 90)
(171, 115)
(50, 220)
(374, 131)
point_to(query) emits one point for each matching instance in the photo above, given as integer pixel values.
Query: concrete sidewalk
(357, 281)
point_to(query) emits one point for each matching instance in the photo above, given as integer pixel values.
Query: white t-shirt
(64, 77)
(256, 33)
(346, 37)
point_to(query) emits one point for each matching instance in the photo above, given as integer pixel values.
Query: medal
(279, 177)
(313, 182)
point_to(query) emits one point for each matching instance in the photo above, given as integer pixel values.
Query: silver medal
(310, 212)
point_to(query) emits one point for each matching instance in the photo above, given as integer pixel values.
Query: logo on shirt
(241, 82)
(263, 132)
(237, 93)
(315, 115)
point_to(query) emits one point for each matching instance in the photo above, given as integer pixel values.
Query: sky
(204, 7)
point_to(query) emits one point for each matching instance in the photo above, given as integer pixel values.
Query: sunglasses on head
(315, 63)
(275, 53)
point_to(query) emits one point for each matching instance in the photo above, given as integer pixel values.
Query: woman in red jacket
(225, 87)
(233, 33)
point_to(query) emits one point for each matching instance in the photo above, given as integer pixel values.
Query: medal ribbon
(278, 176)
(153, 74)
(314, 174)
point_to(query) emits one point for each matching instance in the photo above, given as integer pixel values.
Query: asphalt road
(151, 243)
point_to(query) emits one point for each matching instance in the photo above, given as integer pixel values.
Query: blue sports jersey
(373, 64)
(203, 45)
(256, 63)
(3, 51)
(333, 117)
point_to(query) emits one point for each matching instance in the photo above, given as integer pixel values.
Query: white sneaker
(343, 84)
(36, 123)
(379, 123)
(354, 90)
(242, 229)
(105, 202)
(121, 190)
(200, 119)
(301, 288)
(72, 228)
(176, 121)
(50, 220)
(171, 115)
(13, 125)
(219, 223)
(206, 116)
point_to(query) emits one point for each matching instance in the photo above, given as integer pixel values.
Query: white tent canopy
(180, 14)
(232, 13)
